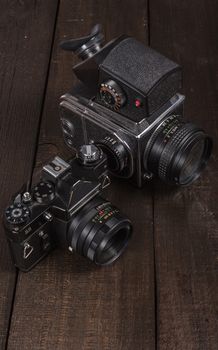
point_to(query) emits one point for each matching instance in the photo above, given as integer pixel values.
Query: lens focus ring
(99, 232)
(177, 151)
(167, 153)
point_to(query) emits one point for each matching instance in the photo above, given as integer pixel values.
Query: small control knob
(26, 198)
(44, 192)
(17, 214)
(117, 156)
(111, 95)
(89, 154)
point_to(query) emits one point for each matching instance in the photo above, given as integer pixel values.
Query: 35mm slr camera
(129, 105)
(66, 209)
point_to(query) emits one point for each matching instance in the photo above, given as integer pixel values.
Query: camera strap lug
(27, 250)
(106, 182)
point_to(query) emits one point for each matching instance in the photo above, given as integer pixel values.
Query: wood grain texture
(66, 302)
(24, 60)
(186, 220)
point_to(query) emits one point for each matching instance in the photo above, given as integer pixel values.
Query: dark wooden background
(163, 292)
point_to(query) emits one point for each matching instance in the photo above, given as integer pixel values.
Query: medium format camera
(128, 104)
(65, 209)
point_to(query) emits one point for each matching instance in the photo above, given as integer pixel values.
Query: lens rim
(178, 163)
(163, 157)
(87, 237)
(122, 246)
(102, 235)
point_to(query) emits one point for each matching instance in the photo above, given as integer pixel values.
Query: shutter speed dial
(17, 214)
(111, 95)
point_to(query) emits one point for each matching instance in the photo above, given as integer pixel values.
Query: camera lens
(99, 232)
(177, 152)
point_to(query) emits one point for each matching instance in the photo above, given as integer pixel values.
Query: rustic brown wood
(24, 58)
(186, 225)
(66, 302)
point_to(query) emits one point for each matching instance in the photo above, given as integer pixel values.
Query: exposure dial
(44, 192)
(112, 95)
(17, 214)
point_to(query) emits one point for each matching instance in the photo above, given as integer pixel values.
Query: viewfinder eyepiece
(87, 46)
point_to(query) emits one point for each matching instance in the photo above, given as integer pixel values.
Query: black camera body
(65, 209)
(128, 103)
(138, 79)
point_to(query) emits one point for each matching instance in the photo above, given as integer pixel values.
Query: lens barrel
(177, 151)
(99, 232)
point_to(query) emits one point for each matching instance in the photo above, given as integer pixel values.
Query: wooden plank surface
(66, 302)
(186, 220)
(24, 58)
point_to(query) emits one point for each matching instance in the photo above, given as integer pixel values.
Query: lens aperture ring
(95, 228)
(101, 233)
(171, 149)
(91, 229)
(78, 223)
(172, 120)
(83, 231)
